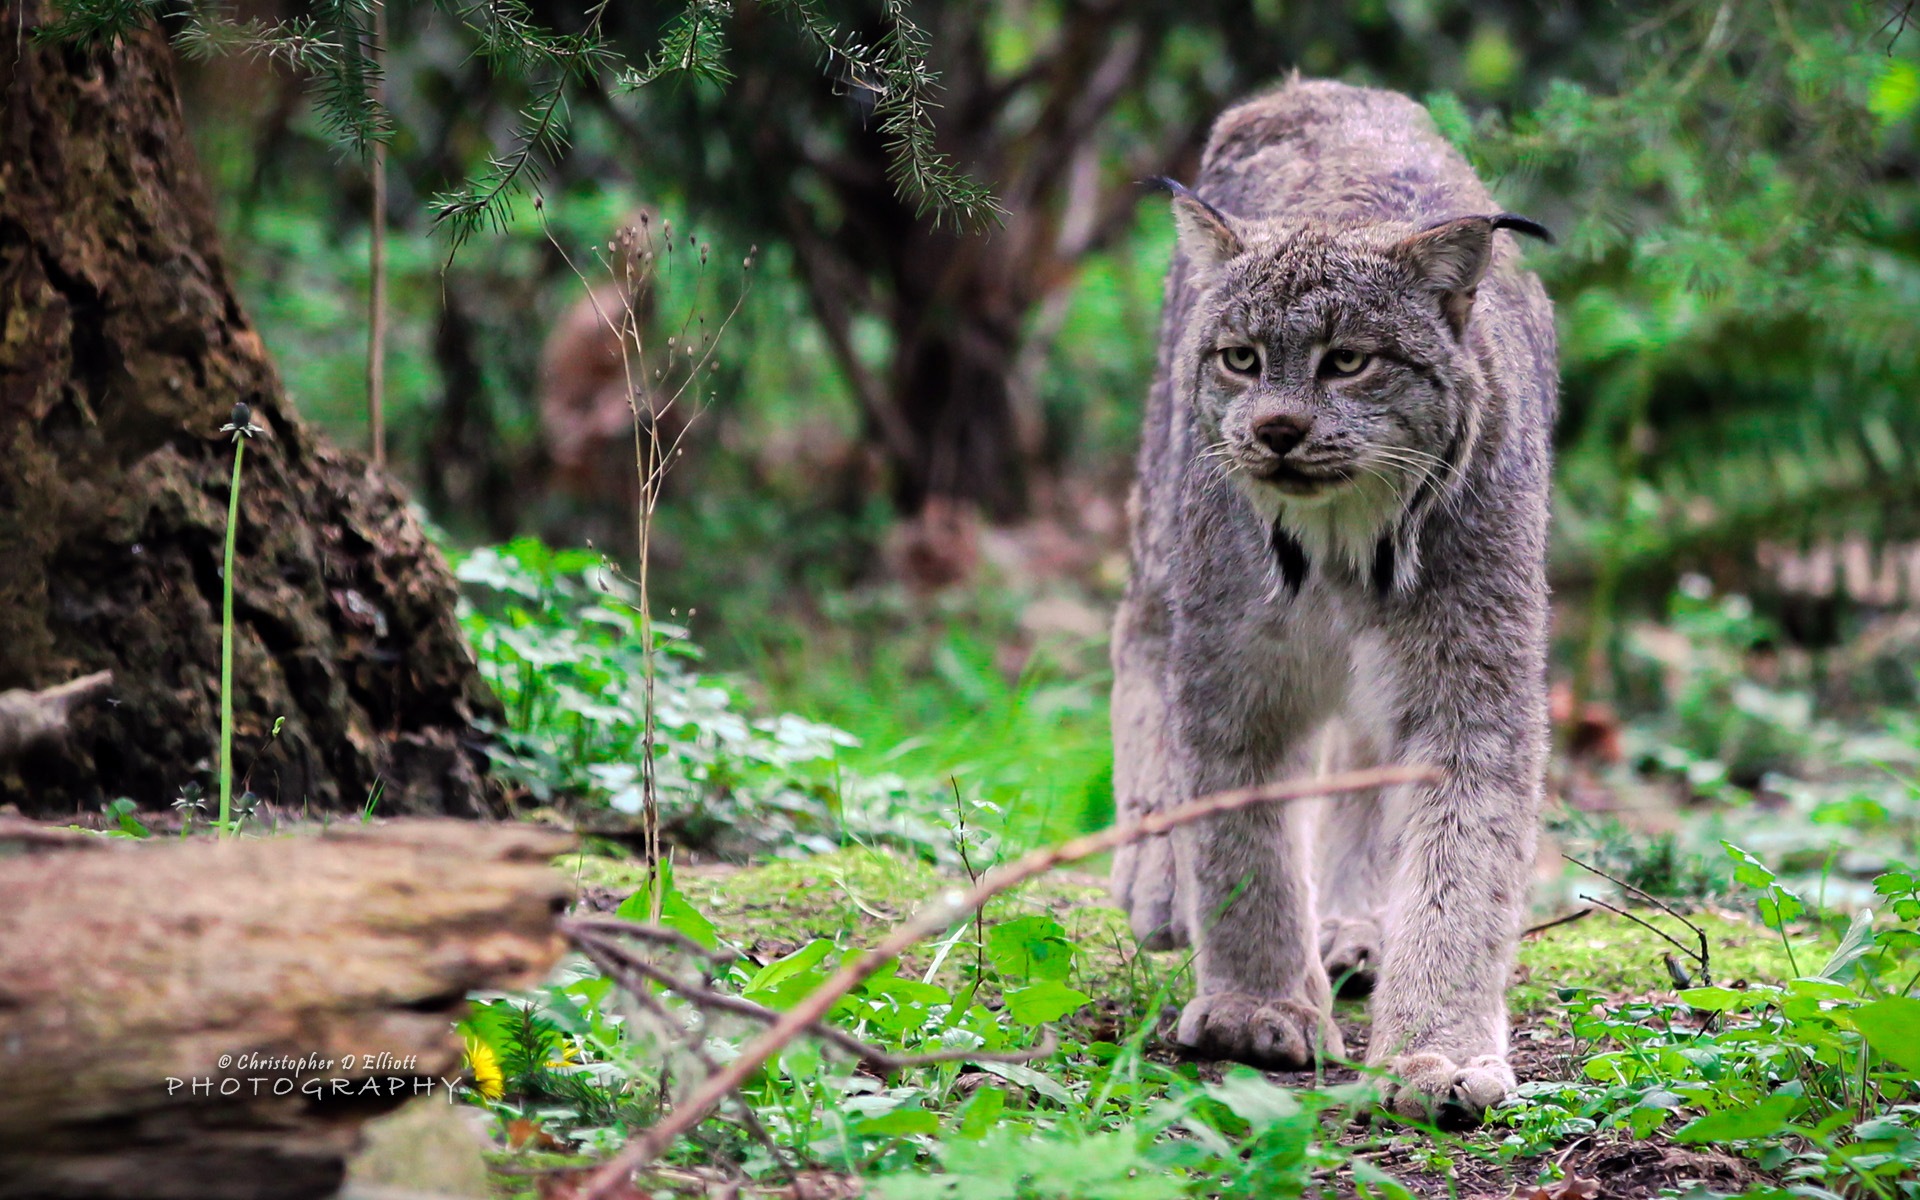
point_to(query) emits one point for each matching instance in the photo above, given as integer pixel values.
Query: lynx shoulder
(1339, 544)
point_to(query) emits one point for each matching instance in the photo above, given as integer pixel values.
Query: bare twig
(634, 265)
(1700, 956)
(979, 914)
(937, 916)
(1663, 934)
(1543, 926)
(574, 927)
(621, 971)
(1898, 22)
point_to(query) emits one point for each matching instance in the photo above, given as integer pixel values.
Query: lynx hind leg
(1143, 886)
(1352, 878)
(1143, 873)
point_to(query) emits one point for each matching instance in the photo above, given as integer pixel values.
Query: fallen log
(203, 1020)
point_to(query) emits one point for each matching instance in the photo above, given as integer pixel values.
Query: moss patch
(1612, 954)
(852, 896)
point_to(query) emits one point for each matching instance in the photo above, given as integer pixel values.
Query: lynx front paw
(1259, 1031)
(1433, 1087)
(1350, 947)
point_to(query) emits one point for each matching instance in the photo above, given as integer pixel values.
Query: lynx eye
(1344, 362)
(1241, 360)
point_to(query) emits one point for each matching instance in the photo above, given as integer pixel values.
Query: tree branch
(601, 950)
(1543, 926)
(831, 310)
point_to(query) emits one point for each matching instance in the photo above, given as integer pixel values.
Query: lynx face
(1333, 379)
(1330, 374)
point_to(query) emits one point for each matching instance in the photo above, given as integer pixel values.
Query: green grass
(953, 690)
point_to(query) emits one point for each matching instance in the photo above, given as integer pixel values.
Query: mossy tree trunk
(122, 351)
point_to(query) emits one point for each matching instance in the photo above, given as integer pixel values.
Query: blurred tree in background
(1060, 109)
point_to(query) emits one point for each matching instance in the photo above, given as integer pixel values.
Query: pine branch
(98, 22)
(333, 44)
(297, 44)
(693, 47)
(904, 106)
(347, 89)
(487, 201)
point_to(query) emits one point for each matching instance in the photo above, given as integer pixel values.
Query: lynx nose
(1282, 434)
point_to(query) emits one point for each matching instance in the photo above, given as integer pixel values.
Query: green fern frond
(1796, 478)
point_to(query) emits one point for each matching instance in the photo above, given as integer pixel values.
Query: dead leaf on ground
(1573, 1188)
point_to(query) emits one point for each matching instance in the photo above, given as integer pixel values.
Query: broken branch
(706, 998)
(1699, 956)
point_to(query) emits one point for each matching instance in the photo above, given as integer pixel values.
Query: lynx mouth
(1295, 482)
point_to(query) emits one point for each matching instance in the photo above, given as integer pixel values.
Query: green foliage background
(1736, 189)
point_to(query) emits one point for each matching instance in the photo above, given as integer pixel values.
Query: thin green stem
(226, 644)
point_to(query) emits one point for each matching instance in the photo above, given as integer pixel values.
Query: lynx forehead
(1339, 549)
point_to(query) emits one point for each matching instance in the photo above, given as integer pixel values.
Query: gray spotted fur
(1398, 617)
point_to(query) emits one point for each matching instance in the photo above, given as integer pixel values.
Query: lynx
(1339, 554)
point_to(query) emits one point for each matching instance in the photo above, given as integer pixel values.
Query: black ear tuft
(1207, 235)
(1520, 224)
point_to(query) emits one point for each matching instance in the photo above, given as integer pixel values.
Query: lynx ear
(1452, 257)
(1206, 235)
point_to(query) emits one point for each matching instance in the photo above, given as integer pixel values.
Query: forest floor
(838, 764)
(852, 897)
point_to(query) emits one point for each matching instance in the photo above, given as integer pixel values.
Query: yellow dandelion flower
(484, 1065)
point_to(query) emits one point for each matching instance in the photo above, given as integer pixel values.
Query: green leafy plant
(126, 824)
(1813, 1077)
(1723, 725)
(1097, 1118)
(557, 637)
